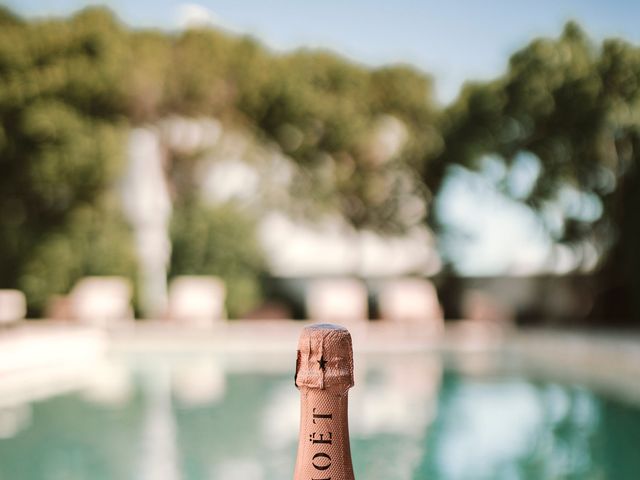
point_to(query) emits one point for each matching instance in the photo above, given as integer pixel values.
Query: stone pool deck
(46, 357)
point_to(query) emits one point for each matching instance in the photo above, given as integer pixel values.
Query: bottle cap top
(325, 357)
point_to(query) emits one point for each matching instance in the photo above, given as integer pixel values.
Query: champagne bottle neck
(324, 451)
(324, 374)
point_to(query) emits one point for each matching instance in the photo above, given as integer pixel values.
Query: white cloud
(192, 15)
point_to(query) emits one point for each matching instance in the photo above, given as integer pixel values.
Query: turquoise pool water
(223, 418)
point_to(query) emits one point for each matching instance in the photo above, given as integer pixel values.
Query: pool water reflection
(219, 417)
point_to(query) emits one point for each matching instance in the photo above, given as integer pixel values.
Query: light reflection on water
(219, 417)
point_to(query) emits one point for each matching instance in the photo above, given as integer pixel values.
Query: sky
(454, 41)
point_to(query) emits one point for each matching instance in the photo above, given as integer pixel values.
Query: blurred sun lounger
(411, 301)
(340, 300)
(13, 307)
(101, 301)
(197, 300)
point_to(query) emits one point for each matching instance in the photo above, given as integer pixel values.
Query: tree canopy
(71, 88)
(61, 138)
(575, 107)
(364, 142)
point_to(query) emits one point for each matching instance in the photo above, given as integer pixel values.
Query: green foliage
(70, 88)
(60, 153)
(93, 241)
(575, 108)
(145, 85)
(334, 108)
(318, 108)
(8, 18)
(219, 241)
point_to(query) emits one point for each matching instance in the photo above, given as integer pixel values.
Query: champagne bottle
(324, 374)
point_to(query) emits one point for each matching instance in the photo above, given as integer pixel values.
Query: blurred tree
(369, 144)
(574, 108)
(94, 240)
(326, 114)
(219, 241)
(8, 18)
(70, 88)
(60, 153)
(145, 84)
(329, 116)
(199, 82)
(321, 110)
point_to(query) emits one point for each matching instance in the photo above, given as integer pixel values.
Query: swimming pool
(227, 417)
